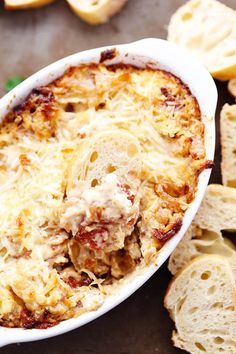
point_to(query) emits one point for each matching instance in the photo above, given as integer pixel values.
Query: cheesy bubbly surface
(47, 272)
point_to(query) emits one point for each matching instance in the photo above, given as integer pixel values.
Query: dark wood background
(32, 39)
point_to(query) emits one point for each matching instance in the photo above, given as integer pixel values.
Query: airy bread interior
(197, 242)
(218, 209)
(195, 26)
(113, 151)
(202, 302)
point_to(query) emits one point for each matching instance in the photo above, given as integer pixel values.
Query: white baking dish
(166, 56)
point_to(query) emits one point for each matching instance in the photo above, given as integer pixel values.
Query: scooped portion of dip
(97, 170)
(101, 216)
(103, 198)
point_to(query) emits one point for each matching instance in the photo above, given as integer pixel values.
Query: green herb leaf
(13, 82)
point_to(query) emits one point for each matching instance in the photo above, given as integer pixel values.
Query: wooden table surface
(31, 39)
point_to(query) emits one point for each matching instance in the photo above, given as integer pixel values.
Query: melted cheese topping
(38, 142)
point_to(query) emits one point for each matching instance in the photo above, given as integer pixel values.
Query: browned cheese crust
(44, 276)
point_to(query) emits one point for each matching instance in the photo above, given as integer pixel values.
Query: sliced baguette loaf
(228, 144)
(96, 12)
(208, 29)
(112, 151)
(201, 301)
(217, 212)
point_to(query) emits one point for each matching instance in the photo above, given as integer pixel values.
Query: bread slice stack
(201, 298)
(202, 302)
(207, 28)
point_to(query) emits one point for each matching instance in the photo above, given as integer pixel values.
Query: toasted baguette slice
(25, 4)
(96, 12)
(195, 26)
(232, 87)
(201, 301)
(218, 209)
(113, 151)
(197, 242)
(228, 144)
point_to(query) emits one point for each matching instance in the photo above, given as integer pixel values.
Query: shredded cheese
(39, 142)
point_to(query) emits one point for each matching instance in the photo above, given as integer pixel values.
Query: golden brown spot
(108, 54)
(24, 160)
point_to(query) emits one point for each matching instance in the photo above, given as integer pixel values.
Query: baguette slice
(232, 87)
(228, 143)
(208, 29)
(197, 242)
(96, 12)
(112, 151)
(218, 209)
(25, 4)
(201, 301)
(217, 212)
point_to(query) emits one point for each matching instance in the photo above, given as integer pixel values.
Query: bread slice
(103, 201)
(197, 242)
(112, 151)
(25, 4)
(218, 209)
(96, 12)
(232, 87)
(103, 189)
(228, 144)
(217, 212)
(201, 301)
(207, 28)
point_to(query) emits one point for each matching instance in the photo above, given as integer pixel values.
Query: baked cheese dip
(97, 170)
